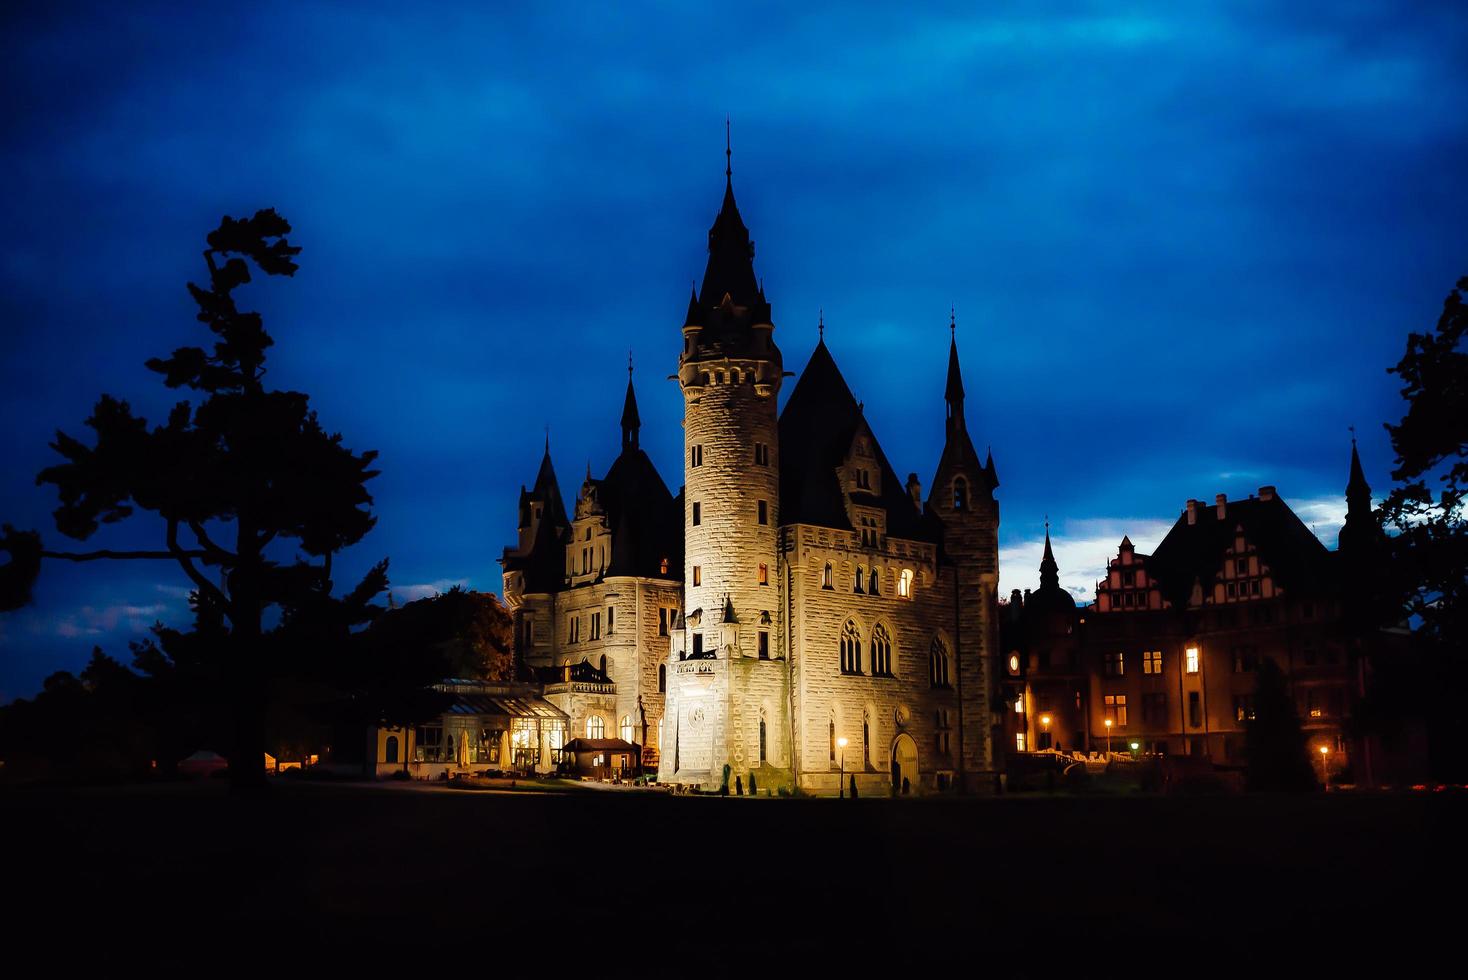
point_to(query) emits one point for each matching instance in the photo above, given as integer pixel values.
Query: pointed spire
(1356, 486)
(953, 394)
(728, 154)
(990, 471)
(821, 324)
(631, 421)
(1049, 570)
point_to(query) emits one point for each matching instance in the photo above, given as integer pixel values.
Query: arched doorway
(904, 763)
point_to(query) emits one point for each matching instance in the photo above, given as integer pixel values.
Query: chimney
(1266, 493)
(1192, 512)
(915, 491)
(1222, 506)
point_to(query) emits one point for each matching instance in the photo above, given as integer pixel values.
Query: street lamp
(1108, 738)
(1324, 781)
(1045, 724)
(841, 785)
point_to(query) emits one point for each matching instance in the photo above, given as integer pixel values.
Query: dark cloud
(1183, 244)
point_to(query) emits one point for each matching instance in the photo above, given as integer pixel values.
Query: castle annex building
(796, 612)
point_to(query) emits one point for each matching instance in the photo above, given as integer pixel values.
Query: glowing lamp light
(1324, 750)
(1136, 745)
(841, 742)
(1045, 720)
(1108, 722)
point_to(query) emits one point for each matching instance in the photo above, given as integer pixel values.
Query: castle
(797, 615)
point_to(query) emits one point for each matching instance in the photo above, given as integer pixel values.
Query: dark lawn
(877, 874)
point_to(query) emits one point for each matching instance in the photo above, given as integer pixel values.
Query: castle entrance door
(904, 763)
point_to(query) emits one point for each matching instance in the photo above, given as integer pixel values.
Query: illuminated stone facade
(795, 594)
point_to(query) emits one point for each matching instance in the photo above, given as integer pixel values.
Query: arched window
(866, 738)
(938, 663)
(831, 732)
(595, 727)
(662, 678)
(850, 649)
(390, 749)
(874, 583)
(881, 651)
(626, 729)
(960, 494)
(826, 577)
(904, 584)
(856, 584)
(604, 664)
(762, 744)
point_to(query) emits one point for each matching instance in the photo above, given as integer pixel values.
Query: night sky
(1183, 246)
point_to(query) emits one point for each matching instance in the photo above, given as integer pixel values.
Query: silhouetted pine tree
(1279, 760)
(242, 469)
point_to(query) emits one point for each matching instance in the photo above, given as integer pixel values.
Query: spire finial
(547, 438)
(728, 152)
(821, 323)
(629, 366)
(1047, 525)
(953, 322)
(1353, 434)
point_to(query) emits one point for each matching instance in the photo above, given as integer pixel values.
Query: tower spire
(1049, 570)
(728, 153)
(631, 421)
(953, 394)
(821, 324)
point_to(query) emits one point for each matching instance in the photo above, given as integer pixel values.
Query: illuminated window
(881, 651)
(1243, 707)
(938, 663)
(697, 574)
(525, 742)
(1014, 663)
(626, 728)
(764, 574)
(1019, 706)
(1116, 709)
(764, 512)
(1114, 664)
(1192, 659)
(555, 738)
(904, 584)
(1019, 741)
(663, 566)
(1152, 662)
(595, 727)
(850, 649)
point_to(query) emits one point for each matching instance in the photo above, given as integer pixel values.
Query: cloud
(1082, 548)
(409, 593)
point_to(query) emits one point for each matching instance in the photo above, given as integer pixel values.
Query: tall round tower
(729, 371)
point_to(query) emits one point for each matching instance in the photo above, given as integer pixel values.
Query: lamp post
(1108, 739)
(841, 783)
(1045, 725)
(1324, 779)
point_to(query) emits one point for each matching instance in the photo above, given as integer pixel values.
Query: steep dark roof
(954, 391)
(816, 429)
(645, 520)
(730, 300)
(1296, 559)
(543, 566)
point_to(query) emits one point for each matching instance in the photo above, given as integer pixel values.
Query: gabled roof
(816, 429)
(645, 520)
(1296, 559)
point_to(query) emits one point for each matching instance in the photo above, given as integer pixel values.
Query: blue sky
(1184, 242)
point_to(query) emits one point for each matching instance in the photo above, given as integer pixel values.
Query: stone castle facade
(797, 614)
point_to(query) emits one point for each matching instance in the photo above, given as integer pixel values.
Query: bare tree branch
(184, 559)
(105, 554)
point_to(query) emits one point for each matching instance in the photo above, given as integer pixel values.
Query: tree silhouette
(1278, 758)
(244, 469)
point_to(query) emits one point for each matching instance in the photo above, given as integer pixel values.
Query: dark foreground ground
(1004, 878)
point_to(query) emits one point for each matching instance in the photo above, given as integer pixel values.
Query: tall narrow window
(874, 583)
(695, 455)
(611, 619)
(764, 512)
(881, 651)
(826, 577)
(960, 494)
(904, 584)
(698, 644)
(938, 663)
(856, 584)
(663, 622)
(1192, 659)
(596, 727)
(596, 626)
(831, 737)
(764, 574)
(866, 739)
(764, 644)
(762, 738)
(850, 649)
(697, 513)
(662, 678)
(761, 454)
(697, 574)
(1195, 709)
(626, 729)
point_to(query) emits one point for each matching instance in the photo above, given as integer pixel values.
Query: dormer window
(863, 480)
